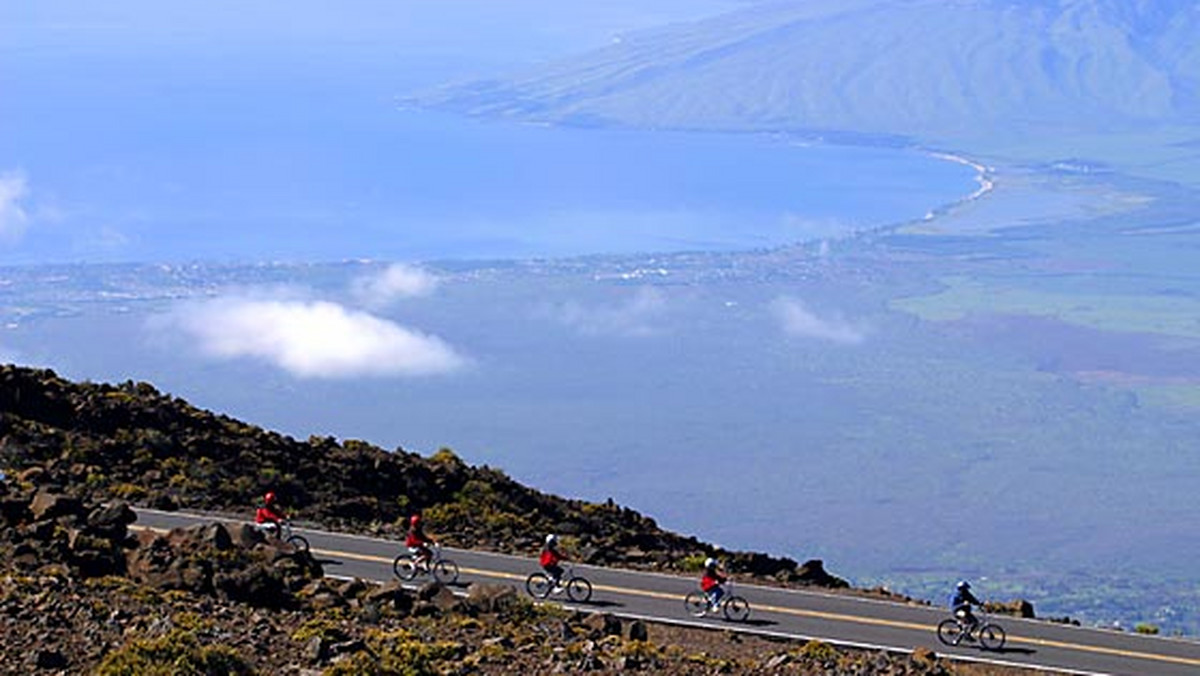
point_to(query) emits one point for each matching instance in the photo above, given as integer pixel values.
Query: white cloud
(393, 283)
(798, 320)
(13, 218)
(313, 339)
(636, 316)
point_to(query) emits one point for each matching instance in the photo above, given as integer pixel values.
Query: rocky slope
(80, 594)
(131, 442)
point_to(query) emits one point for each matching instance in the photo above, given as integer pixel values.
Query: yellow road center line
(817, 614)
(837, 617)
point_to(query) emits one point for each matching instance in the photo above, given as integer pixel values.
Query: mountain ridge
(921, 69)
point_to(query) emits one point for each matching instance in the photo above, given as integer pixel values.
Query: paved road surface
(835, 618)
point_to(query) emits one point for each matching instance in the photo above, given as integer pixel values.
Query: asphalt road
(836, 618)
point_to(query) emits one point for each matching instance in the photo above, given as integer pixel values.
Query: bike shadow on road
(1011, 651)
(603, 604)
(754, 622)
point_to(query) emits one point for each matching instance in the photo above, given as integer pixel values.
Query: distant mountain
(927, 69)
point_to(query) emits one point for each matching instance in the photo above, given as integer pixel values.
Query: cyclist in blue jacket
(960, 603)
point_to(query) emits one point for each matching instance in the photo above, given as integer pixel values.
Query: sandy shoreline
(983, 174)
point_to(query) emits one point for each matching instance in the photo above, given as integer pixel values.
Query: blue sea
(142, 133)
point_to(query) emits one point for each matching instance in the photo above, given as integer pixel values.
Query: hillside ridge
(131, 442)
(922, 69)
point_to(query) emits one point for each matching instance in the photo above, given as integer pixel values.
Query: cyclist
(711, 583)
(551, 560)
(270, 516)
(418, 542)
(960, 603)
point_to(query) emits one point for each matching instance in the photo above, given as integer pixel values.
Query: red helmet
(416, 519)
(269, 497)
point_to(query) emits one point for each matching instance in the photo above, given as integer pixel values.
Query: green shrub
(127, 491)
(324, 627)
(819, 651)
(445, 456)
(692, 562)
(1146, 628)
(399, 653)
(176, 654)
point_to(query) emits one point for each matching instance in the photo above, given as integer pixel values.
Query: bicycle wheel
(445, 571)
(299, 542)
(949, 631)
(991, 637)
(404, 567)
(736, 609)
(579, 590)
(696, 604)
(538, 585)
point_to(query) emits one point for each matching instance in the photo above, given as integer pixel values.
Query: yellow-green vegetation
(178, 653)
(190, 621)
(643, 651)
(445, 456)
(1161, 314)
(399, 653)
(819, 651)
(128, 491)
(478, 500)
(1146, 628)
(693, 562)
(119, 396)
(110, 583)
(322, 625)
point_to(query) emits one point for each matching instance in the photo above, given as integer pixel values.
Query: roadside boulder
(638, 631)
(1016, 608)
(47, 505)
(813, 572)
(490, 598)
(603, 624)
(111, 521)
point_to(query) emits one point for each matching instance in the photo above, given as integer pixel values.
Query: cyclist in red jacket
(418, 542)
(712, 581)
(270, 516)
(551, 560)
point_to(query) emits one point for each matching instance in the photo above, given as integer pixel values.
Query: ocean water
(133, 133)
(379, 182)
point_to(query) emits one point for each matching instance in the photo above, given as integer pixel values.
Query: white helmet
(551, 539)
(963, 584)
(710, 562)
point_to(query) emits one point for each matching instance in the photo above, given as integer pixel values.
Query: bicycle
(735, 608)
(991, 636)
(282, 530)
(540, 586)
(443, 570)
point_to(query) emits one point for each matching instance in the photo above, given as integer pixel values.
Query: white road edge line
(762, 632)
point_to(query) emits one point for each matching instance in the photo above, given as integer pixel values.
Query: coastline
(983, 173)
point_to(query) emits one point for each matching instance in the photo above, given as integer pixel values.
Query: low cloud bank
(797, 320)
(13, 218)
(313, 339)
(395, 282)
(636, 316)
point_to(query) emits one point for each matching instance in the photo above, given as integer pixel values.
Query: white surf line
(983, 173)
